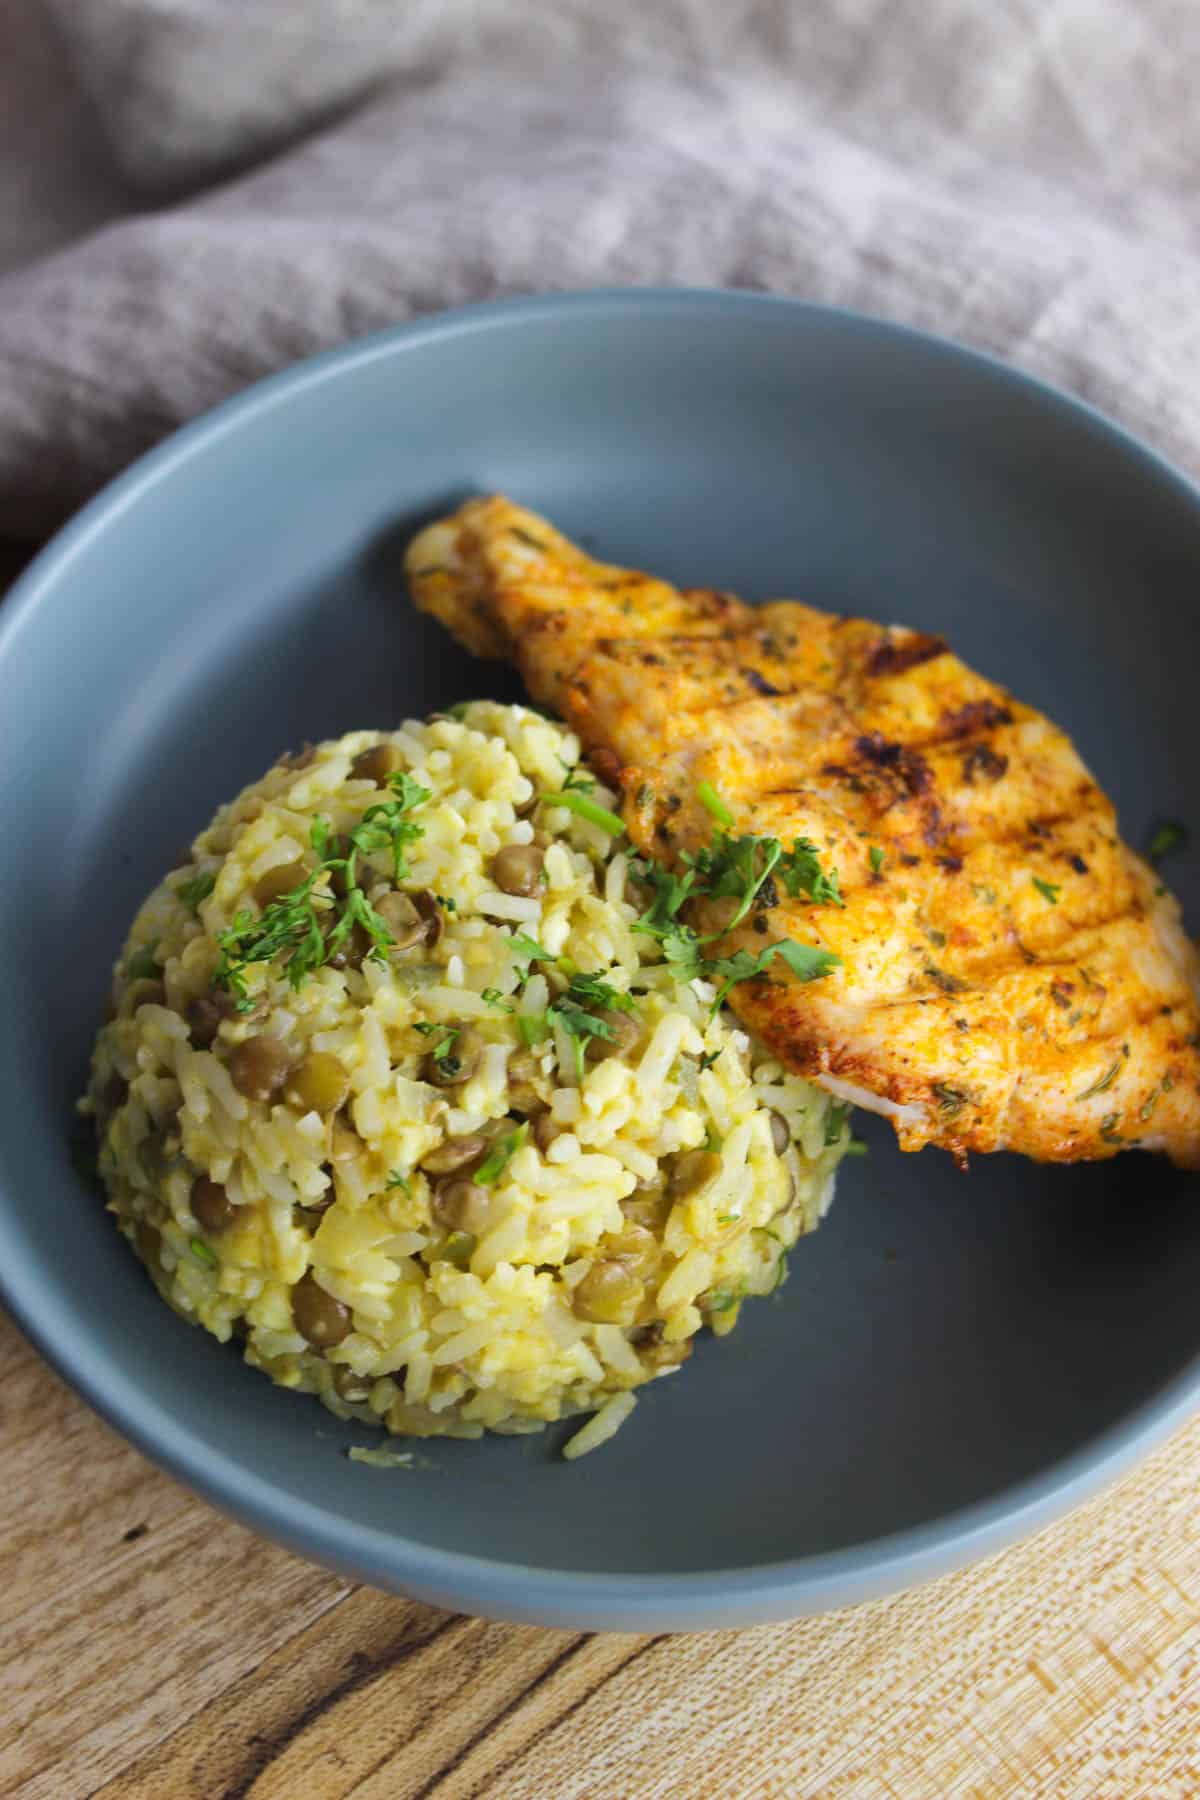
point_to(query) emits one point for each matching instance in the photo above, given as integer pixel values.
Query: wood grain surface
(154, 1651)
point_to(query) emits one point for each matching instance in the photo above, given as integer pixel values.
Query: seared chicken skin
(1012, 976)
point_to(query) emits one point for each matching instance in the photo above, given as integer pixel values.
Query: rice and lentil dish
(401, 1092)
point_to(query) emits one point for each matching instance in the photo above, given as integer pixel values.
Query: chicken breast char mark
(1012, 975)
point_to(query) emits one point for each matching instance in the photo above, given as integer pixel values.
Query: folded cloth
(1023, 179)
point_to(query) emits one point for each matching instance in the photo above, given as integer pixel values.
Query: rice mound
(592, 1267)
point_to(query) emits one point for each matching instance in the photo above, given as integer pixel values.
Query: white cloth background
(278, 175)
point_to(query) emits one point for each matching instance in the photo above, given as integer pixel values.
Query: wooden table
(152, 1649)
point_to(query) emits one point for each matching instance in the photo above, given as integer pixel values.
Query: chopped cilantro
(1168, 835)
(385, 825)
(397, 1180)
(442, 1051)
(197, 889)
(877, 859)
(526, 952)
(293, 926)
(532, 1027)
(201, 1251)
(713, 804)
(856, 1147)
(1047, 889)
(709, 1058)
(578, 780)
(500, 1155)
(589, 810)
(495, 998)
(806, 961)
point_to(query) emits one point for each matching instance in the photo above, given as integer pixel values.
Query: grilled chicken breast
(1012, 975)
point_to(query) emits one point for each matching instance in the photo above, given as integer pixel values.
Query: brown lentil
(318, 1315)
(609, 1294)
(517, 869)
(693, 1170)
(463, 1205)
(284, 878)
(377, 763)
(211, 1206)
(319, 1084)
(626, 1034)
(259, 1067)
(404, 924)
(455, 1153)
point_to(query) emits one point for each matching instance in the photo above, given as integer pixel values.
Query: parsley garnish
(201, 1251)
(442, 1051)
(495, 998)
(583, 808)
(741, 869)
(709, 1058)
(385, 826)
(573, 1009)
(578, 780)
(526, 952)
(499, 1157)
(877, 859)
(293, 926)
(197, 889)
(806, 961)
(397, 1180)
(713, 804)
(1170, 835)
(1047, 889)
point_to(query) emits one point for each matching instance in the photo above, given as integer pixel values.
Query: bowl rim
(576, 1599)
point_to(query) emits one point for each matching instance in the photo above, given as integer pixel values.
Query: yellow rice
(448, 1340)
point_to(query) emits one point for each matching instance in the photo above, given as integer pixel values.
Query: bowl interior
(945, 1336)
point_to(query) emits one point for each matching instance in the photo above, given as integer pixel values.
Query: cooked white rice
(588, 1275)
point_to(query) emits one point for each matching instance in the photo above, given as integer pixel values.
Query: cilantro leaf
(292, 926)
(1169, 835)
(589, 810)
(500, 1155)
(713, 804)
(806, 961)
(197, 889)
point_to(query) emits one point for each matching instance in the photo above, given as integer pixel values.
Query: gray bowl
(956, 1358)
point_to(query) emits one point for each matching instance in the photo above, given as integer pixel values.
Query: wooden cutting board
(152, 1649)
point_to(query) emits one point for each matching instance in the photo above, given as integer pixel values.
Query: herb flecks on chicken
(1011, 975)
